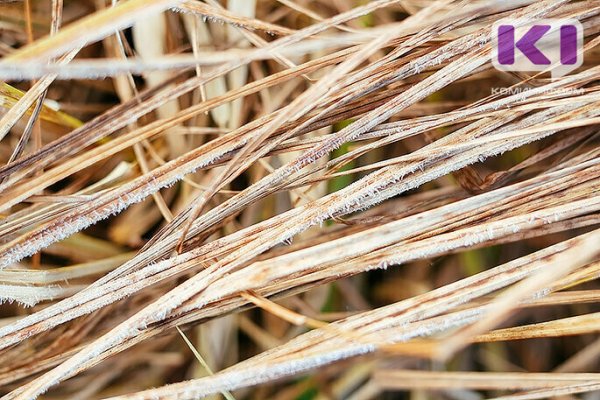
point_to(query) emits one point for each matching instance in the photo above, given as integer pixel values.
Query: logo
(538, 45)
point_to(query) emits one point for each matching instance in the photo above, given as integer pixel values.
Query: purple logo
(549, 44)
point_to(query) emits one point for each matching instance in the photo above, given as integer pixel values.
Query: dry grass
(160, 156)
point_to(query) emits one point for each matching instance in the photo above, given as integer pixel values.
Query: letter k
(506, 44)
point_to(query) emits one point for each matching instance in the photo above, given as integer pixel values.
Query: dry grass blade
(88, 29)
(397, 379)
(578, 325)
